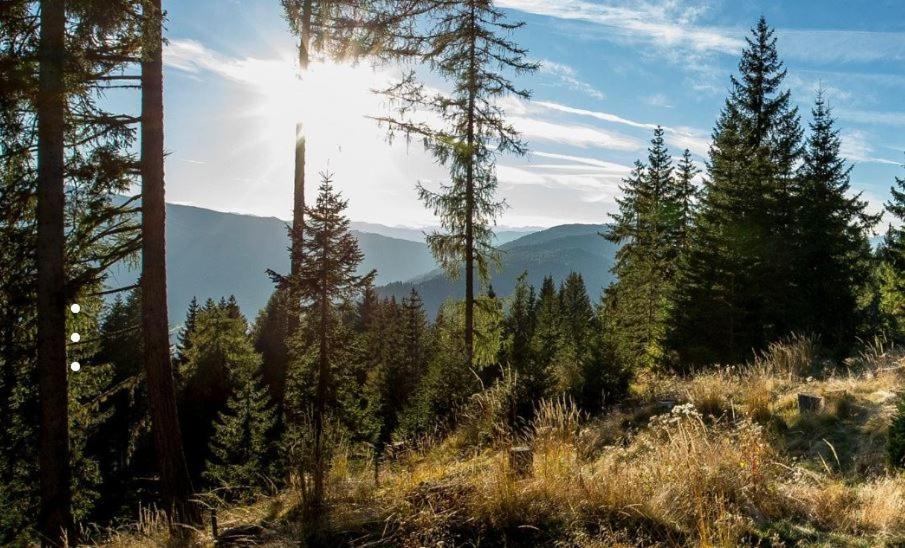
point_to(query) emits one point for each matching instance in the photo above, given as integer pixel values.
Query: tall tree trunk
(469, 201)
(175, 484)
(298, 231)
(53, 390)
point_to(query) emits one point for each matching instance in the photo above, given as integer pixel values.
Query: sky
(611, 70)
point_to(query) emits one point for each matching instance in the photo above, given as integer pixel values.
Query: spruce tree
(220, 359)
(547, 337)
(891, 270)
(576, 320)
(241, 447)
(685, 197)
(894, 241)
(184, 341)
(327, 277)
(96, 162)
(415, 349)
(448, 380)
(383, 358)
(467, 44)
(833, 255)
(175, 484)
(56, 523)
(270, 334)
(647, 227)
(736, 291)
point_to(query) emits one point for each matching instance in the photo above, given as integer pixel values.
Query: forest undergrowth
(718, 458)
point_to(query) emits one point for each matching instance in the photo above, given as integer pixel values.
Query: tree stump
(521, 461)
(808, 403)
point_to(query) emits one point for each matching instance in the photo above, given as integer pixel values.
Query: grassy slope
(720, 458)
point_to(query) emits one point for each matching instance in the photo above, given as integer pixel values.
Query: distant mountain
(215, 254)
(504, 235)
(556, 252)
(212, 254)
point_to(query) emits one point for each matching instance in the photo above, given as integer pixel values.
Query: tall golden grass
(720, 458)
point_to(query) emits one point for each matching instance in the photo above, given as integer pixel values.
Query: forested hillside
(717, 361)
(555, 252)
(212, 253)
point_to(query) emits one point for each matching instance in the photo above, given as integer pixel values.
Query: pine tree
(547, 337)
(56, 522)
(271, 335)
(95, 162)
(175, 483)
(833, 252)
(327, 276)
(686, 199)
(448, 380)
(184, 341)
(647, 228)
(122, 444)
(220, 359)
(894, 241)
(466, 43)
(384, 361)
(576, 320)
(342, 29)
(736, 292)
(241, 447)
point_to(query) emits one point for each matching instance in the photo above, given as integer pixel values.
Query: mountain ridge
(212, 254)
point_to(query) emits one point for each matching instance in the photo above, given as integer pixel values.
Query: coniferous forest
(739, 382)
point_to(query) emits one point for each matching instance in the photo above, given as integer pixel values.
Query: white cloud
(842, 46)
(604, 116)
(856, 147)
(658, 100)
(574, 135)
(683, 137)
(569, 77)
(673, 25)
(667, 24)
(893, 118)
(592, 162)
(594, 186)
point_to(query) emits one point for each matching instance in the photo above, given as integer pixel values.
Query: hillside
(555, 252)
(503, 235)
(214, 254)
(722, 458)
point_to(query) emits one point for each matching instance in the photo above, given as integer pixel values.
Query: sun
(331, 101)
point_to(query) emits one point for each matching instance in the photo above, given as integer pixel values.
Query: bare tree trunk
(53, 390)
(298, 231)
(175, 483)
(469, 204)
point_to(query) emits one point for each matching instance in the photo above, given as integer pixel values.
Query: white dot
(75, 337)
(75, 308)
(75, 366)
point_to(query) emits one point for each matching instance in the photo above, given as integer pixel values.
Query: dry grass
(720, 458)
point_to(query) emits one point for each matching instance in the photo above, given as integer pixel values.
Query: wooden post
(808, 403)
(521, 461)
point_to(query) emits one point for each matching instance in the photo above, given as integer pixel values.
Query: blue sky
(611, 70)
